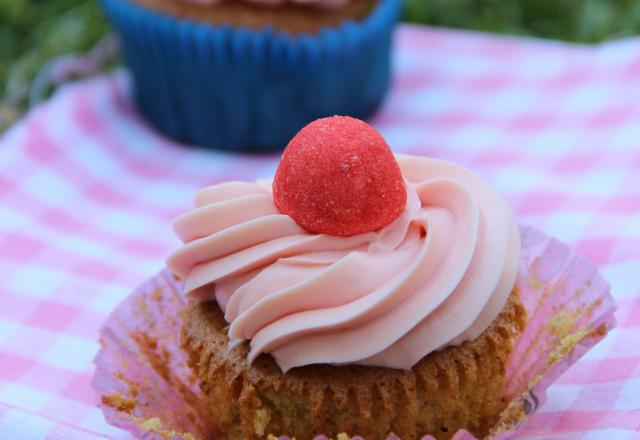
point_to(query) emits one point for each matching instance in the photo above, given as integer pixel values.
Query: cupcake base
(458, 387)
(242, 89)
(144, 385)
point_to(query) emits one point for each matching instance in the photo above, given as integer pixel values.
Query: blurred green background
(35, 31)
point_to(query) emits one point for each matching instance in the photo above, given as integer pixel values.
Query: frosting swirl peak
(437, 276)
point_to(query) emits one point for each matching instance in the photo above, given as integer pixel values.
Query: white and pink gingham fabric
(87, 192)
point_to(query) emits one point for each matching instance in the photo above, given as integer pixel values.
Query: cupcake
(246, 75)
(357, 293)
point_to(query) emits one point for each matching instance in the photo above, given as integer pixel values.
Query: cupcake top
(367, 260)
(289, 17)
(321, 3)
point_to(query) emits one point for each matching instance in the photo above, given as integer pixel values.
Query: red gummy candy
(338, 176)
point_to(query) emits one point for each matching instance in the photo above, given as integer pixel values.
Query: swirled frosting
(437, 276)
(321, 3)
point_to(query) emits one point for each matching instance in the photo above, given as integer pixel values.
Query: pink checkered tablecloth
(87, 192)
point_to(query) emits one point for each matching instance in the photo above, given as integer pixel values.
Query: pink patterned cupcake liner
(145, 387)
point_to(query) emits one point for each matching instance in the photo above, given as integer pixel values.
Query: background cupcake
(247, 75)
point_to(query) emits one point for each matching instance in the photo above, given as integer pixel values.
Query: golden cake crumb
(156, 295)
(261, 421)
(560, 324)
(119, 402)
(153, 424)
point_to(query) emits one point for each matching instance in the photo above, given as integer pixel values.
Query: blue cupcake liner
(245, 90)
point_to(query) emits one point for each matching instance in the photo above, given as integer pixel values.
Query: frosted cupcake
(357, 293)
(246, 75)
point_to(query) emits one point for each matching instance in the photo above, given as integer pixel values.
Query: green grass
(35, 31)
(584, 21)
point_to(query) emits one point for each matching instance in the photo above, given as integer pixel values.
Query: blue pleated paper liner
(244, 90)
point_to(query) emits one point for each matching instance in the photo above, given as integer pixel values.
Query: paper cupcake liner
(145, 387)
(244, 90)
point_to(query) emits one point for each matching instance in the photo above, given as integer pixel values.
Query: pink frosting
(321, 3)
(437, 276)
